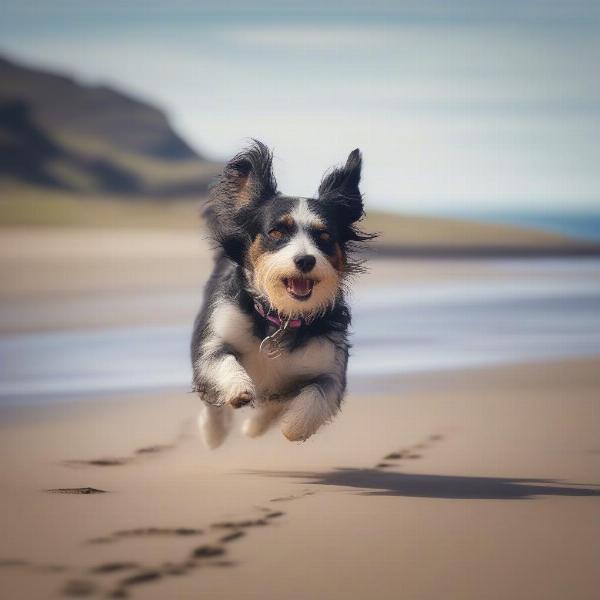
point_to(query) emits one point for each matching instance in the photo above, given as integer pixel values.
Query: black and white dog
(272, 331)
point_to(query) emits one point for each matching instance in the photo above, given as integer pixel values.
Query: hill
(76, 155)
(57, 132)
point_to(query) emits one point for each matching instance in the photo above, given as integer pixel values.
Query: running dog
(273, 329)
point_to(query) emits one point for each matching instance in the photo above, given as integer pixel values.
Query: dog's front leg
(214, 423)
(316, 404)
(222, 384)
(221, 380)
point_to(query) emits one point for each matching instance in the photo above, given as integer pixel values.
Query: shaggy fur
(289, 258)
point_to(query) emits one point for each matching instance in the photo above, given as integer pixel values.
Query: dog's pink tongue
(300, 287)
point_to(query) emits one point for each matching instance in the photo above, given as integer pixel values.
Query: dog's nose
(305, 263)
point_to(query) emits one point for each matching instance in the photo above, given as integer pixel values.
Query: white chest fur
(271, 376)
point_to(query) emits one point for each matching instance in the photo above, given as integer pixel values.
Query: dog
(273, 328)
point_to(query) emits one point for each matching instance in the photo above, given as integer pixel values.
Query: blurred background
(478, 122)
(468, 108)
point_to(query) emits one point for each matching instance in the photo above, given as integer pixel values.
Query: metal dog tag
(270, 348)
(271, 345)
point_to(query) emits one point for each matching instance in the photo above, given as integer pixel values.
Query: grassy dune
(30, 206)
(424, 231)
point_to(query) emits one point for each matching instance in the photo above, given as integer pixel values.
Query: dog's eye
(276, 234)
(325, 236)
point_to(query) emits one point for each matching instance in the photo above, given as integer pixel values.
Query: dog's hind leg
(214, 423)
(315, 405)
(262, 418)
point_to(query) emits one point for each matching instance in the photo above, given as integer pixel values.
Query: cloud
(314, 38)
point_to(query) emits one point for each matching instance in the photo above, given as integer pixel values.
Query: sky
(459, 107)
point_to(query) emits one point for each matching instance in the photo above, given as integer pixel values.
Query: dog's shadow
(375, 482)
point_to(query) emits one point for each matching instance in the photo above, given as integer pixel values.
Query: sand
(477, 484)
(61, 278)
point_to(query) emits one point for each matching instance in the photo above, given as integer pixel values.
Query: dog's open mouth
(299, 287)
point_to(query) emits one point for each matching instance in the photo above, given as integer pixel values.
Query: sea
(399, 328)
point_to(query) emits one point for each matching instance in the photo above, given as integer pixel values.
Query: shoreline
(17, 409)
(445, 324)
(484, 252)
(357, 387)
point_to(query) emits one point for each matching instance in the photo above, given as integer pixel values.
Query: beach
(411, 194)
(465, 462)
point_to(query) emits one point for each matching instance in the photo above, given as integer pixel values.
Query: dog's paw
(262, 419)
(238, 390)
(297, 431)
(253, 427)
(214, 423)
(242, 399)
(306, 413)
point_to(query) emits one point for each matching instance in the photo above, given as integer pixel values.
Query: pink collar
(275, 319)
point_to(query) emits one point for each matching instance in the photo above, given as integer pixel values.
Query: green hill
(59, 133)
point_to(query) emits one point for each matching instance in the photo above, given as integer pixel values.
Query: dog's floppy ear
(340, 186)
(246, 181)
(248, 177)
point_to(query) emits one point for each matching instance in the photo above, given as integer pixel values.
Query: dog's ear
(246, 181)
(248, 177)
(340, 187)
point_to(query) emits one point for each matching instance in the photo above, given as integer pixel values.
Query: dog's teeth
(299, 286)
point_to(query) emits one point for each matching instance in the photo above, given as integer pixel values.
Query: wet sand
(59, 279)
(475, 484)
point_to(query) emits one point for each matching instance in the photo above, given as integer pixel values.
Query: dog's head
(295, 251)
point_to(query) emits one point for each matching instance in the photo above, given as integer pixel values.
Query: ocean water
(397, 329)
(580, 226)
